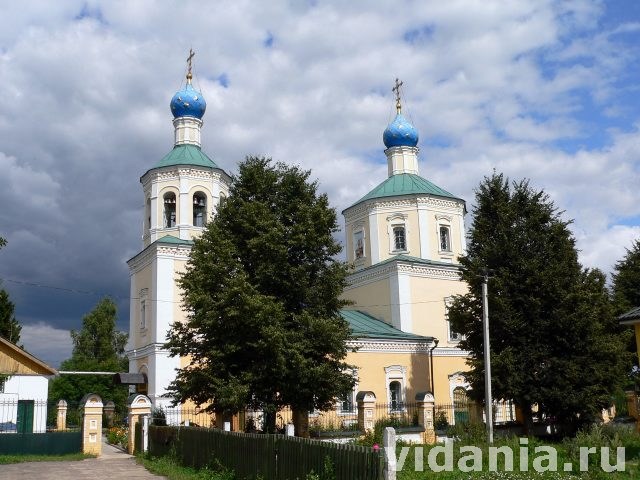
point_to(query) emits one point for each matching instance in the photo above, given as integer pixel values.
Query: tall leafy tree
(626, 280)
(9, 327)
(553, 336)
(626, 295)
(97, 347)
(261, 290)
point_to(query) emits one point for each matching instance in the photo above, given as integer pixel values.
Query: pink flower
(376, 447)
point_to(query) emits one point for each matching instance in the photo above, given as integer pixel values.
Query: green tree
(626, 295)
(97, 347)
(626, 280)
(9, 327)
(553, 336)
(262, 289)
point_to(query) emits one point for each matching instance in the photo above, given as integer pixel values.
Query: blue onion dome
(188, 102)
(400, 133)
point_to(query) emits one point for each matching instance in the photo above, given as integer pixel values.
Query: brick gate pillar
(366, 410)
(425, 404)
(138, 405)
(61, 418)
(91, 405)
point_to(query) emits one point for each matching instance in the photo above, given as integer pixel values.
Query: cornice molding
(383, 270)
(155, 250)
(380, 205)
(450, 352)
(150, 349)
(367, 345)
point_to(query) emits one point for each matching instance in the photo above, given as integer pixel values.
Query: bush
(118, 436)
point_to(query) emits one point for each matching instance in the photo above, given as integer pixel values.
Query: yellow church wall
(372, 376)
(434, 236)
(373, 298)
(442, 368)
(428, 311)
(143, 279)
(385, 234)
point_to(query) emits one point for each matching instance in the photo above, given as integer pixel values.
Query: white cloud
(488, 84)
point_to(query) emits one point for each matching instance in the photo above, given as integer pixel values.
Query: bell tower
(181, 193)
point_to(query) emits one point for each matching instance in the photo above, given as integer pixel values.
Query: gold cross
(191, 54)
(396, 89)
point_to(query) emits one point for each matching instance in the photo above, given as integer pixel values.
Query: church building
(403, 239)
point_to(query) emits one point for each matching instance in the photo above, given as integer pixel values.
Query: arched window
(199, 209)
(445, 239)
(169, 210)
(395, 396)
(399, 239)
(460, 405)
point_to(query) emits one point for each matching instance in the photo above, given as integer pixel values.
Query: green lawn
(168, 467)
(5, 459)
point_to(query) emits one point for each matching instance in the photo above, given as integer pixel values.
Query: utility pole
(487, 357)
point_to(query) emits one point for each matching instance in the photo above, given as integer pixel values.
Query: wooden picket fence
(275, 457)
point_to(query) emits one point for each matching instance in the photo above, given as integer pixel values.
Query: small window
(199, 209)
(358, 244)
(445, 239)
(2, 381)
(395, 396)
(347, 404)
(399, 239)
(169, 210)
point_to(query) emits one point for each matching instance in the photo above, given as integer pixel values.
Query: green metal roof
(363, 325)
(170, 239)
(186, 155)
(405, 184)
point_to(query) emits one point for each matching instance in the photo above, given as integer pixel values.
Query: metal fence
(35, 416)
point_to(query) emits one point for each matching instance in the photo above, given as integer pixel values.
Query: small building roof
(16, 361)
(405, 184)
(363, 325)
(631, 317)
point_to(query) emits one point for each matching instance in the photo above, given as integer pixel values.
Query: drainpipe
(435, 344)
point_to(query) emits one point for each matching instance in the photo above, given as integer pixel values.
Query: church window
(395, 396)
(445, 239)
(399, 239)
(199, 209)
(169, 210)
(358, 244)
(396, 376)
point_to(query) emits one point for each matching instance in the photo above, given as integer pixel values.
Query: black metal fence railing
(34, 416)
(344, 418)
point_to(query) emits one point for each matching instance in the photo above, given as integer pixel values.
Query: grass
(567, 451)
(170, 468)
(6, 459)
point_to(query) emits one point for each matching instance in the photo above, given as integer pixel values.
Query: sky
(544, 90)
